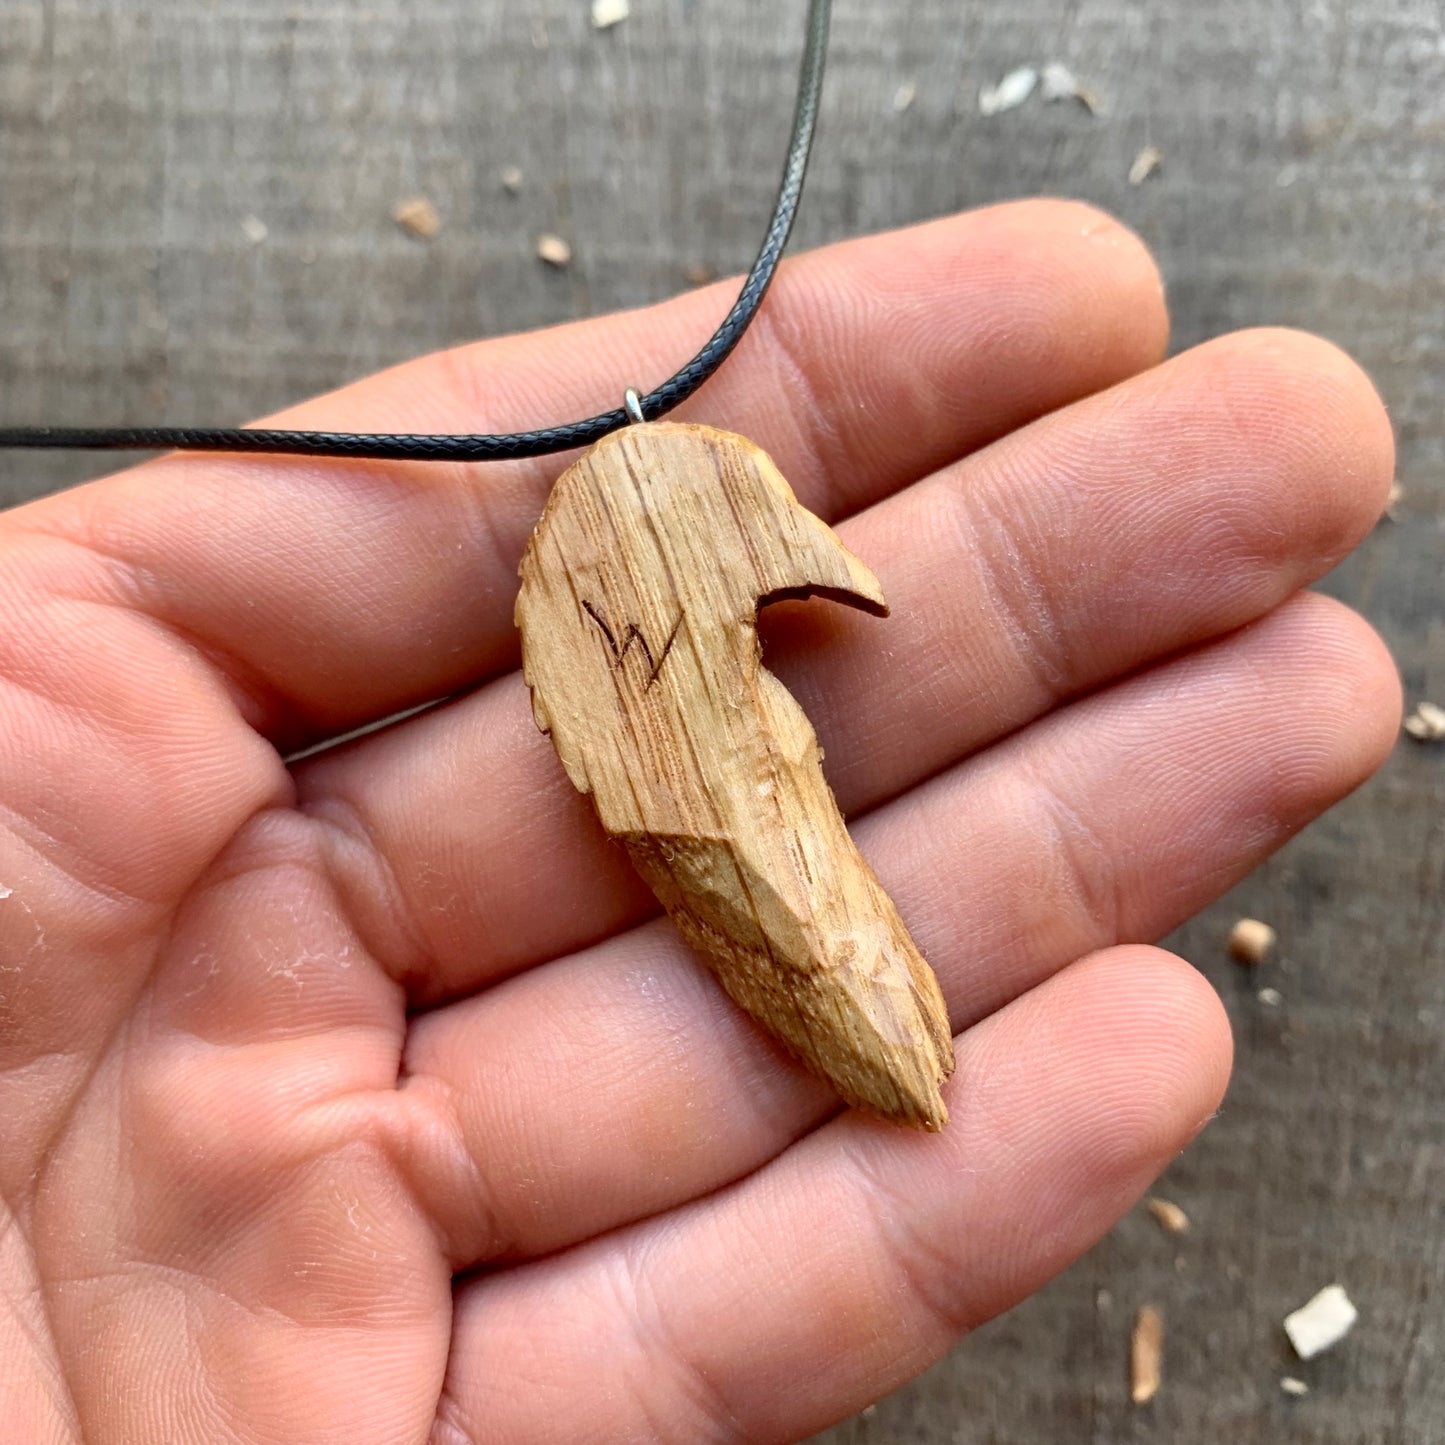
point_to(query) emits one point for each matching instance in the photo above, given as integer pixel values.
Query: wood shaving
(607, 13)
(1146, 1355)
(904, 96)
(1010, 92)
(1270, 997)
(417, 217)
(1427, 723)
(1103, 1301)
(1060, 83)
(1145, 164)
(1170, 1217)
(1292, 1386)
(1322, 1323)
(511, 179)
(1250, 941)
(554, 251)
(255, 230)
(699, 274)
(1392, 502)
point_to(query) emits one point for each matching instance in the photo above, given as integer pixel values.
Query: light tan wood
(1146, 1355)
(638, 611)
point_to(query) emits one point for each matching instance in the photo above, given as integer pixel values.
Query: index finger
(333, 593)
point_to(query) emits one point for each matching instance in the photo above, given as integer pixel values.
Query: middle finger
(1177, 506)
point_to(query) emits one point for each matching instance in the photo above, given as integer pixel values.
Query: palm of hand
(362, 1100)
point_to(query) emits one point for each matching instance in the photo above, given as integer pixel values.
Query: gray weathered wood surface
(1304, 166)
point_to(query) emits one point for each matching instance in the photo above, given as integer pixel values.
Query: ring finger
(619, 1082)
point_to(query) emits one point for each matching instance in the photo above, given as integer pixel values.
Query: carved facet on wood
(638, 611)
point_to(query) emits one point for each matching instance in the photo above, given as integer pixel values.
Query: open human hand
(367, 1099)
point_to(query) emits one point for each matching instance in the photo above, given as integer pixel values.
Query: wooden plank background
(1303, 169)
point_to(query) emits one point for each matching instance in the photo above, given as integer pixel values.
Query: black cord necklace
(502, 446)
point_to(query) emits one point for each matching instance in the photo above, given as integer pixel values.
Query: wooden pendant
(638, 611)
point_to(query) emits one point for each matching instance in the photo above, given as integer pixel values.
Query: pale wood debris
(418, 217)
(904, 96)
(1145, 164)
(1250, 941)
(511, 179)
(1060, 83)
(1291, 1386)
(1321, 1323)
(1146, 1355)
(607, 13)
(254, 229)
(1169, 1216)
(554, 251)
(1270, 997)
(1009, 93)
(1392, 502)
(1427, 723)
(638, 611)
(699, 274)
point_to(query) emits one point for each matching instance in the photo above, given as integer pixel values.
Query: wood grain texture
(1302, 181)
(638, 610)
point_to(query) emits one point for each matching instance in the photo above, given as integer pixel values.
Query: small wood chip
(554, 251)
(1292, 1386)
(254, 229)
(1011, 91)
(904, 96)
(699, 274)
(1322, 1323)
(417, 217)
(1060, 83)
(1427, 723)
(511, 179)
(1270, 997)
(1250, 941)
(1170, 1217)
(1146, 1355)
(1392, 502)
(1145, 164)
(606, 13)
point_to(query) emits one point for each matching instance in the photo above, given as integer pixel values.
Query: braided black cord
(499, 447)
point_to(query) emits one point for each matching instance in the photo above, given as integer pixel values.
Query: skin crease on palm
(368, 1100)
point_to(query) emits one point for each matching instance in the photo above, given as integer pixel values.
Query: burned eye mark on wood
(597, 617)
(632, 633)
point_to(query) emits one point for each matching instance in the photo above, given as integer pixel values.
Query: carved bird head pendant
(638, 612)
